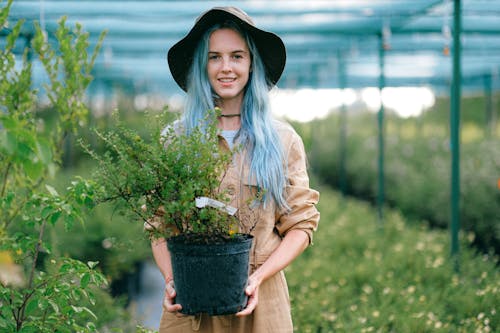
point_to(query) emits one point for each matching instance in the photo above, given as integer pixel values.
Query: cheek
(211, 73)
(210, 70)
(246, 71)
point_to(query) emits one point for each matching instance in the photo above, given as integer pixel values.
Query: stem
(20, 311)
(5, 176)
(44, 317)
(15, 213)
(25, 200)
(11, 302)
(60, 144)
(32, 276)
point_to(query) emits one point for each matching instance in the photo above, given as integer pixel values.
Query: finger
(249, 290)
(253, 300)
(248, 309)
(251, 287)
(169, 299)
(169, 303)
(170, 307)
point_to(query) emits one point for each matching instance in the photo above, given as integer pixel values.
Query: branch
(37, 251)
(5, 176)
(22, 308)
(25, 200)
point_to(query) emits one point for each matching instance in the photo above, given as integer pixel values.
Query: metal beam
(455, 133)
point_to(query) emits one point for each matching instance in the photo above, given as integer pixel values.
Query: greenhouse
(396, 101)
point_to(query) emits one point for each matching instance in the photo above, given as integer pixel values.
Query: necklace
(230, 115)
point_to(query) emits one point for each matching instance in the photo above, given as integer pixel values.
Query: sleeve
(300, 197)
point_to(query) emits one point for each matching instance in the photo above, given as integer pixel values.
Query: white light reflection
(307, 104)
(304, 105)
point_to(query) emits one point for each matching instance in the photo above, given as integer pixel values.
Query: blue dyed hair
(257, 132)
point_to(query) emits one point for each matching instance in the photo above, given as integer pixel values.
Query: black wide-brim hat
(270, 47)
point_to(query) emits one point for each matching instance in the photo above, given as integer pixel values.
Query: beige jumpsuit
(272, 313)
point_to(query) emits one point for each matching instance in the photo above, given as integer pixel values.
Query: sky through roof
(324, 39)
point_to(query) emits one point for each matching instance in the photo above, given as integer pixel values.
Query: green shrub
(143, 179)
(361, 276)
(42, 291)
(417, 170)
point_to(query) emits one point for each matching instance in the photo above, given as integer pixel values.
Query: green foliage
(161, 176)
(69, 73)
(361, 276)
(52, 303)
(117, 242)
(417, 170)
(52, 293)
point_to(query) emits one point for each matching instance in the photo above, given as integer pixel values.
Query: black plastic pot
(211, 278)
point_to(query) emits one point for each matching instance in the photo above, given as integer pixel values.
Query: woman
(226, 62)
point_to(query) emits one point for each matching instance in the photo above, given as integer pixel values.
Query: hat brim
(270, 47)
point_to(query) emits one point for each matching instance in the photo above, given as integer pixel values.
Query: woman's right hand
(169, 299)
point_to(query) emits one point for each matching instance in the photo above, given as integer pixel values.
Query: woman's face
(228, 64)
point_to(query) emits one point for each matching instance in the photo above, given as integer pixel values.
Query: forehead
(226, 38)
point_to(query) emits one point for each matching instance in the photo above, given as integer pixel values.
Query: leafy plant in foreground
(46, 293)
(158, 181)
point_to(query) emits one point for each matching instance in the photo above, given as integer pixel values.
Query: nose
(226, 64)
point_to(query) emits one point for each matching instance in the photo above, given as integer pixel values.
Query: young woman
(227, 62)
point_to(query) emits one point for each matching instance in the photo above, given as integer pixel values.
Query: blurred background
(397, 103)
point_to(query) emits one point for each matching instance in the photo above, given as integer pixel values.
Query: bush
(362, 276)
(41, 290)
(143, 179)
(417, 170)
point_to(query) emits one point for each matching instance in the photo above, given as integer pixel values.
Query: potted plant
(171, 184)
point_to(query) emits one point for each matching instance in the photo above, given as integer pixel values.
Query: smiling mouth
(226, 80)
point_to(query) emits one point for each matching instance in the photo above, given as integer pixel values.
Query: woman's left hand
(252, 291)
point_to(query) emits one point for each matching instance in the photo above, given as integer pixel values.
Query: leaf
(44, 150)
(8, 123)
(52, 190)
(92, 264)
(69, 221)
(29, 329)
(77, 309)
(66, 267)
(47, 211)
(10, 142)
(90, 313)
(34, 170)
(90, 296)
(84, 282)
(24, 149)
(54, 217)
(31, 306)
(4, 13)
(54, 306)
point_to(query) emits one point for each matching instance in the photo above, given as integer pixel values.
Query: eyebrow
(235, 51)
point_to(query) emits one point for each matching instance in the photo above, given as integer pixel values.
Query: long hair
(257, 131)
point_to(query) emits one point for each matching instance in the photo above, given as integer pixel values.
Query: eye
(213, 56)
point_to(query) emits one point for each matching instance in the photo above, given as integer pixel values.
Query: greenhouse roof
(330, 44)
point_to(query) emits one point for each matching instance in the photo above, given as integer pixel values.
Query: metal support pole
(380, 121)
(488, 104)
(343, 119)
(455, 133)
(494, 103)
